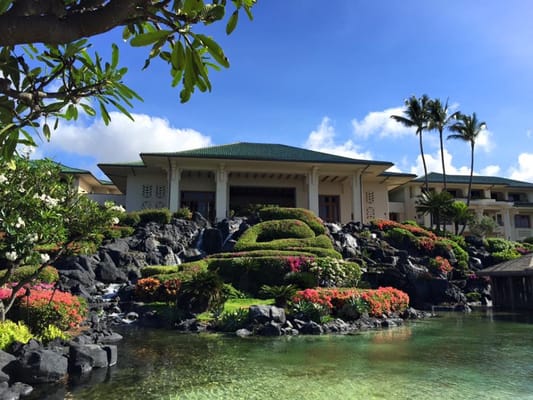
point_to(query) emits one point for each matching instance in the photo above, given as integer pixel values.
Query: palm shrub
(231, 321)
(205, 291)
(281, 294)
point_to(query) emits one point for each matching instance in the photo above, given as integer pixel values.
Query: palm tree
(438, 205)
(439, 119)
(416, 115)
(468, 128)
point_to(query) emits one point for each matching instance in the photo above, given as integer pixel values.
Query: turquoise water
(455, 356)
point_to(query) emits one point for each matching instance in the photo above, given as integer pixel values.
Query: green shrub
(321, 241)
(159, 215)
(202, 293)
(302, 280)
(473, 296)
(281, 294)
(261, 253)
(302, 214)
(271, 230)
(505, 255)
(183, 213)
(498, 245)
(401, 237)
(152, 270)
(11, 332)
(231, 321)
(231, 293)
(410, 222)
(528, 240)
(47, 275)
(52, 332)
(332, 272)
(249, 274)
(442, 245)
(131, 219)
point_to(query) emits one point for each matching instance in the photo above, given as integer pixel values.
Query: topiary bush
(160, 215)
(321, 241)
(152, 270)
(302, 214)
(182, 213)
(131, 219)
(272, 230)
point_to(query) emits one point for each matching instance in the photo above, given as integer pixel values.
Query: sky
(327, 76)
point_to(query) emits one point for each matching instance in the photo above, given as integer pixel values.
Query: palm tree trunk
(471, 174)
(442, 159)
(426, 184)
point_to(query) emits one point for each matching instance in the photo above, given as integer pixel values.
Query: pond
(482, 355)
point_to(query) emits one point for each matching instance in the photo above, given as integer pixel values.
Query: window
(160, 191)
(476, 194)
(147, 191)
(370, 197)
(329, 208)
(522, 221)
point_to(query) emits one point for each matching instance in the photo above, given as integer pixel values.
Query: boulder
(40, 366)
(311, 328)
(262, 314)
(271, 328)
(107, 272)
(212, 241)
(6, 362)
(83, 358)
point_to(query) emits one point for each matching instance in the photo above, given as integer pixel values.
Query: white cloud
(484, 141)
(323, 139)
(524, 170)
(122, 139)
(491, 170)
(380, 123)
(434, 164)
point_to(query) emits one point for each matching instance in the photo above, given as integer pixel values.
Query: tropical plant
(281, 294)
(47, 71)
(13, 332)
(230, 321)
(205, 291)
(439, 118)
(437, 204)
(461, 216)
(42, 217)
(416, 115)
(467, 128)
(482, 226)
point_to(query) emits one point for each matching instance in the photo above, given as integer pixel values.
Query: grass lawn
(234, 304)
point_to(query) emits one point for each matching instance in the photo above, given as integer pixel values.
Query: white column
(507, 228)
(174, 189)
(312, 190)
(357, 204)
(221, 198)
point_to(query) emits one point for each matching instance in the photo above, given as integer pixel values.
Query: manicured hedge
(249, 274)
(321, 241)
(160, 215)
(185, 268)
(291, 251)
(275, 213)
(273, 230)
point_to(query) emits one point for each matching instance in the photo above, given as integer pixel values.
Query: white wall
(158, 198)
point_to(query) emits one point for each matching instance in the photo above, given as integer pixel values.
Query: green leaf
(88, 109)
(46, 132)
(145, 39)
(232, 23)
(214, 49)
(177, 57)
(114, 56)
(4, 5)
(193, 6)
(105, 115)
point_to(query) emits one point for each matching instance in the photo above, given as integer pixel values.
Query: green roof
(265, 152)
(435, 177)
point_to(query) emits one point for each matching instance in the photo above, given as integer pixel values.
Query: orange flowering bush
(440, 265)
(377, 302)
(168, 290)
(384, 225)
(45, 306)
(147, 289)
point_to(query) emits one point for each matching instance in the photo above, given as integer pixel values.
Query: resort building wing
(221, 180)
(509, 202)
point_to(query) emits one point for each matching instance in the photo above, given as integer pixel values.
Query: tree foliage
(42, 217)
(48, 71)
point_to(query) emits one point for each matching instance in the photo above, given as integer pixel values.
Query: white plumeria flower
(115, 220)
(33, 237)
(3, 178)
(20, 223)
(11, 255)
(44, 258)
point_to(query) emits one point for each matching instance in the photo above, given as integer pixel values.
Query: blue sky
(327, 76)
